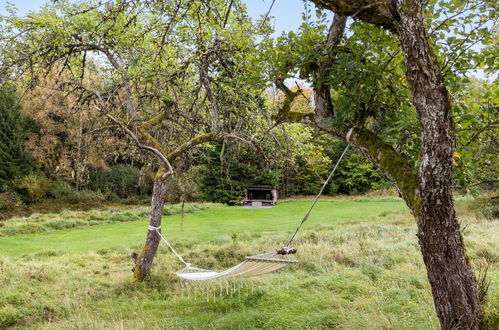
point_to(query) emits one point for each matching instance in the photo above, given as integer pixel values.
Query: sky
(287, 13)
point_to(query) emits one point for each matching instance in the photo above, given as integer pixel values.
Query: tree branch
(382, 13)
(322, 94)
(394, 165)
(158, 153)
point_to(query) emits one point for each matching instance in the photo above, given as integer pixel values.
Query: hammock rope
(317, 197)
(169, 245)
(253, 265)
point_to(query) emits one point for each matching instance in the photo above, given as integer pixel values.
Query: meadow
(360, 267)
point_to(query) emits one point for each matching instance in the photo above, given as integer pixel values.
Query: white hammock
(253, 266)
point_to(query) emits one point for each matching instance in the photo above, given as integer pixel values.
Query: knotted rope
(188, 265)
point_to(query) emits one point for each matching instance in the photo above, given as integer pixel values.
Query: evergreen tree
(14, 160)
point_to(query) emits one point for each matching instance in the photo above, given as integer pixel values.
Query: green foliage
(227, 169)
(33, 187)
(62, 191)
(367, 82)
(465, 36)
(486, 206)
(357, 175)
(476, 116)
(305, 177)
(369, 87)
(103, 45)
(465, 41)
(90, 198)
(14, 160)
(123, 180)
(183, 187)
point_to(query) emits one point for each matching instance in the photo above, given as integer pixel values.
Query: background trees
(170, 72)
(171, 76)
(15, 161)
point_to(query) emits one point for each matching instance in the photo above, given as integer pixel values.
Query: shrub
(90, 198)
(33, 186)
(357, 175)
(146, 181)
(182, 186)
(486, 206)
(63, 191)
(123, 181)
(10, 202)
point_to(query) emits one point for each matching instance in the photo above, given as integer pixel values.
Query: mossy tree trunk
(144, 261)
(394, 165)
(427, 191)
(452, 281)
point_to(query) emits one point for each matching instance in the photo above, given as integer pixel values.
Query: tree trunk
(453, 284)
(144, 261)
(454, 287)
(322, 92)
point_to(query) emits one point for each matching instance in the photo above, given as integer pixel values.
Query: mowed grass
(360, 267)
(220, 223)
(49, 222)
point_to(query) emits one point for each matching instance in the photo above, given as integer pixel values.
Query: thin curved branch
(158, 153)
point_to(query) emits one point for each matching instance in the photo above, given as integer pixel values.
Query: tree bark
(395, 166)
(322, 92)
(146, 257)
(452, 281)
(454, 287)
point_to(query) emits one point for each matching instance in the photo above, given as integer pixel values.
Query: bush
(90, 198)
(33, 187)
(357, 175)
(123, 181)
(10, 202)
(63, 191)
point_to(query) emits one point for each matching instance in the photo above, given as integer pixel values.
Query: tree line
(53, 153)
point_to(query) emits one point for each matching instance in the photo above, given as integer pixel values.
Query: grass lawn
(216, 225)
(360, 267)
